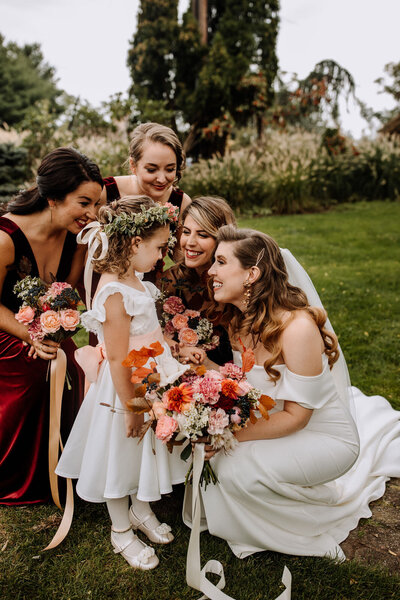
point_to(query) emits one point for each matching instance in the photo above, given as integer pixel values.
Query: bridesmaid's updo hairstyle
(119, 253)
(270, 294)
(154, 132)
(61, 172)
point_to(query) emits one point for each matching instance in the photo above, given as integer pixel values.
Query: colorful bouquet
(48, 311)
(201, 405)
(187, 327)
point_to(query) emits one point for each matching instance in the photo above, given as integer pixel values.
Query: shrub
(13, 171)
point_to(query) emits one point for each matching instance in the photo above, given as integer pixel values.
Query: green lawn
(353, 256)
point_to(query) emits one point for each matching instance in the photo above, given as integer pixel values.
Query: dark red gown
(24, 391)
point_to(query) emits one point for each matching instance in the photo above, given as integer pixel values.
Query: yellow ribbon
(195, 576)
(58, 369)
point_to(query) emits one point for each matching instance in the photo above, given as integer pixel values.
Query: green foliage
(24, 80)
(13, 171)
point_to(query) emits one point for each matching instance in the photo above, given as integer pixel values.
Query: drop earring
(246, 293)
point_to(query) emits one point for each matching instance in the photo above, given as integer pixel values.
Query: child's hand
(191, 354)
(133, 424)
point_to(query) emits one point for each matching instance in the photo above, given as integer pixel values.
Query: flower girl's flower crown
(132, 224)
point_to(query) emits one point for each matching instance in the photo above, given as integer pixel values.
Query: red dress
(24, 391)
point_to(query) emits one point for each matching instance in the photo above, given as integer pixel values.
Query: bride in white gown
(299, 482)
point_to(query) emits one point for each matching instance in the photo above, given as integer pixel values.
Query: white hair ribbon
(94, 237)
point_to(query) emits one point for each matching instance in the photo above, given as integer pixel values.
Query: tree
(209, 81)
(24, 80)
(390, 118)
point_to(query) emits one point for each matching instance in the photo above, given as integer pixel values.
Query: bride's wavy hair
(271, 293)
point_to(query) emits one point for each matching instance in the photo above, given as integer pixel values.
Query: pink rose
(188, 337)
(166, 426)
(180, 321)
(244, 387)
(50, 321)
(58, 287)
(217, 422)
(169, 329)
(25, 315)
(173, 305)
(173, 211)
(69, 319)
(191, 314)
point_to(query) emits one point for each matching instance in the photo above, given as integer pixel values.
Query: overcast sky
(87, 42)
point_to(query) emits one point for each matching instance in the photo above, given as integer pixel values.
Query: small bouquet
(48, 311)
(211, 404)
(187, 327)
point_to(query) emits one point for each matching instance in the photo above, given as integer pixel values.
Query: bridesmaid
(38, 238)
(189, 279)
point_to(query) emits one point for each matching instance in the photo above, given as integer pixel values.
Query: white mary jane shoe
(145, 559)
(161, 534)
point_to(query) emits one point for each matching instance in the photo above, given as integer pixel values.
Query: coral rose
(69, 319)
(173, 305)
(188, 337)
(158, 409)
(166, 426)
(25, 315)
(50, 321)
(180, 321)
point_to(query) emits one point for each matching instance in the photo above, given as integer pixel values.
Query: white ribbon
(93, 236)
(195, 576)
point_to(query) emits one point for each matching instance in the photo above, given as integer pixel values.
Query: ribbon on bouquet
(58, 369)
(195, 575)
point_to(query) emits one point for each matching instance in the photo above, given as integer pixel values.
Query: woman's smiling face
(155, 170)
(197, 245)
(228, 276)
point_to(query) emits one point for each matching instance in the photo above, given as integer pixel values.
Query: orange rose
(69, 319)
(180, 321)
(50, 321)
(188, 337)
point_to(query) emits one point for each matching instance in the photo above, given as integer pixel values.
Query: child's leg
(143, 518)
(124, 541)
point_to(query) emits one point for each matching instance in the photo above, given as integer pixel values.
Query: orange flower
(229, 388)
(138, 358)
(188, 337)
(178, 398)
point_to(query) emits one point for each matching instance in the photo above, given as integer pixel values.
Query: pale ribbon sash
(58, 369)
(94, 237)
(195, 576)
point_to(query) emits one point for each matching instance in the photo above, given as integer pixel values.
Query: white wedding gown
(106, 463)
(302, 494)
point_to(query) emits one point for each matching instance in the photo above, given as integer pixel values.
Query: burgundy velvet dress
(24, 391)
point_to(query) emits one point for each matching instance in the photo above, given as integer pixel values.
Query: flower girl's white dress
(301, 494)
(106, 463)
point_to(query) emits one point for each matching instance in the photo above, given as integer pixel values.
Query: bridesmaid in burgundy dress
(156, 160)
(38, 238)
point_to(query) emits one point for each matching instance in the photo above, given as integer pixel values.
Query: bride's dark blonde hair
(270, 294)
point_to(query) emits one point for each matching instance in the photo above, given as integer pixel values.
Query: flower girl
(103, 451)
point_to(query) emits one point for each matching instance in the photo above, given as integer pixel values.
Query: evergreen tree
(24, 80)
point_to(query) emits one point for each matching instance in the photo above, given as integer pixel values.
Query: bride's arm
(302, 348)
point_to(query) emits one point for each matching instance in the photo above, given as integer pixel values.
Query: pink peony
(69, 319)
(173, 305)
(217, 422)
(188, 337)
(25, 315)
(231, 371)
(209, 387)
(58, 287)
(166, 426)
(180, 321)
(50, 321)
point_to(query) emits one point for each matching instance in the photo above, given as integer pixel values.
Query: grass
(352, 254)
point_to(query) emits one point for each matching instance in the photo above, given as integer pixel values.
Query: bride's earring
(246, 293)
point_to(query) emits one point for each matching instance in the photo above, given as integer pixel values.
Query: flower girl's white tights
(118, 510)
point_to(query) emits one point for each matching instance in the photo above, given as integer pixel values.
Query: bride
(300, 481)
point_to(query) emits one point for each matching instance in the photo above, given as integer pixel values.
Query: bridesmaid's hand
(208, 449)
(46, 349)
(133, 424)
(191, 354)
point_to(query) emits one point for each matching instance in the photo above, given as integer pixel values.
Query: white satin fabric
(106, 463)
(302, 494)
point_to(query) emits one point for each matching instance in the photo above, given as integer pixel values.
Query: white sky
(87, 42)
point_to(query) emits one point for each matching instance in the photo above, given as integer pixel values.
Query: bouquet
(200, 404)
(187, 327)
(48, 311)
